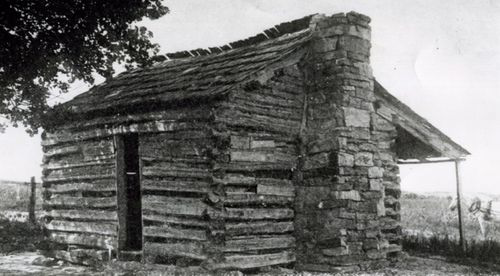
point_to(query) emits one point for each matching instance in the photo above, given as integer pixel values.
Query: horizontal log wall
(80, 184)
(80, 198)
(263, 121)
(176, 181)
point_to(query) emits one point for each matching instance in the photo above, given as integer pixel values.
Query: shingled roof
(199, 73)
(208, 73)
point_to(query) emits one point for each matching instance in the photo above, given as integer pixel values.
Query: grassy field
(15, 196)
(430, 215)
(430, 227)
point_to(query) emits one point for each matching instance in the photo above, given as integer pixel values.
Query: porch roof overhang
(417, 140)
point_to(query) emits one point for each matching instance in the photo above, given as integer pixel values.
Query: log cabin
(277, 150)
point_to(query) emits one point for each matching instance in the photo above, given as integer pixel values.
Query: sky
(441, 58)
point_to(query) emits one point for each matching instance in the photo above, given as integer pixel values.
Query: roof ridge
(268, 34)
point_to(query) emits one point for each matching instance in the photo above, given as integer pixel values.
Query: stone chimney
(340, 195)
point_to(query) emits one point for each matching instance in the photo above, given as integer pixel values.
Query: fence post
(31, 207)
(459, 206)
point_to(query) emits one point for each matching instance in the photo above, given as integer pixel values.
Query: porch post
(459, 205)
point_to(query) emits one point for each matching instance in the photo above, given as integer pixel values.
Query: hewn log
(192, 250)
(181, 148)
(77, 178)
(261, 156)
(156, 126)
(81, 202)
(191, 160)
(90, 240)
(173, 114)
(256, 227)
(102, 147)
(98, 169)
(154, 171)
(278, 190)
(255, 166)
(175, 205)
(68, 165)
(183, 221)
(83, 214)
(281, 99)
(235, 179)
(241, 179)
(259, 243)
(252, 198)
(89, 257)
(245, 261)
(273, 110)
(175, 186)
(239, 119)
(62, 151)
(167, 231)
(252, 213)
(100, 186)
(103, 228)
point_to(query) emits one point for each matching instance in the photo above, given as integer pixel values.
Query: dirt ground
(23, 264)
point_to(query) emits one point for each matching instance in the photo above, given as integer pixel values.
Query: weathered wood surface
(237, 119)
(245, 261)
(255, 214)
(174, 220)
(255, 166)
(175, 186)
(104, 228)
(62, 151)
(80, 202)
(175, 205)
(54, 165)
(194, 250)
(75, 172)
(258, 227)
(157, 171)
(98, 186)
(270, 109)
(186, 113)
(277, 190)
(88, 257)
(191, 82)
(261, 156)
(256, 199)
(259, 243)
(89, 240)
(241, 179)
(77, 178)
(83, 214)
(170, 232)
(148, 127)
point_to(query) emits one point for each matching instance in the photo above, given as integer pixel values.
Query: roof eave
(405, 117)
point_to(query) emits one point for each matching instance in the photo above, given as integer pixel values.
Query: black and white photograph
(249, 137)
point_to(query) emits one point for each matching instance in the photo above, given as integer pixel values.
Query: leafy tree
(47, 44)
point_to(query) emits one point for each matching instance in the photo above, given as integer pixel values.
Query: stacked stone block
(340, 195)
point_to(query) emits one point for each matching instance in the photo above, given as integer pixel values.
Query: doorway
(128, 193)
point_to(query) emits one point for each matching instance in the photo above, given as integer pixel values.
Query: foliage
(19, 236)
(46, 44)
(430, 227)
